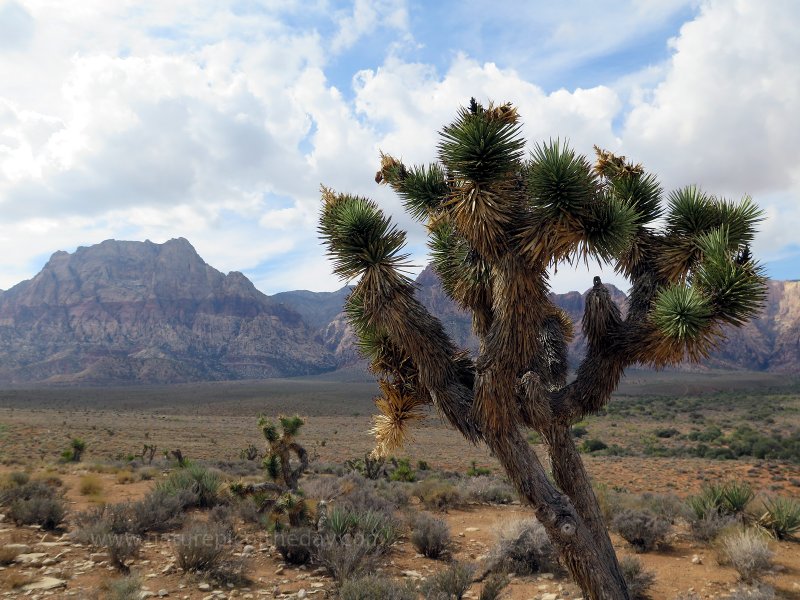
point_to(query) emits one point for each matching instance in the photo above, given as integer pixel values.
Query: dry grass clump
(747, 551)
(641, 529)
(451, 583)
(524, 548)
(205, 549)
(430, 536)
(372, 587)
(638, 579)
(90, 485)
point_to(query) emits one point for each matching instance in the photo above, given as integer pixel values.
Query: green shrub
(35, 503)
(781, 517)
(127, 588)
(593, 445)
(476, 471)
(193, 480)
(430, 536)
(403, 471)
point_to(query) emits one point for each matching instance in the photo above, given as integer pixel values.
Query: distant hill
(138, 312)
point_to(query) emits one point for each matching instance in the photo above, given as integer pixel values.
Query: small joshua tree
(280, 447)
(148, 453)
(497, 222)
(75, 450)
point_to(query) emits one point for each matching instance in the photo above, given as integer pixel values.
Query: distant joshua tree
(497, 221)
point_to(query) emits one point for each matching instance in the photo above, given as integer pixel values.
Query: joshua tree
(497, 220)
(280, 447)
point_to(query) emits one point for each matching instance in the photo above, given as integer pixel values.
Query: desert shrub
(666, 432)
(755, 592)
(641, 529)
(221, 517)
(75, 451)
(160, 511)
(709, 527)
(449, 584)
(488, 490)
(593, 445)
(121, 548)
(477, 471)
(296, 545)
(127, 588)
(666, 506)
(746, 551)
(781, 517)
(359, 496)
(579, 431)
(376, 588)
(35, 503)
(147, 473)
(204, 548)
(125, 476)
(494, 586)
(90, 485)
(321, 488)
(430, 536)
(437, 495)
(249, 511)
(736, 496)
(638, 579)
(524, 548)
(402, 471)
(346, 557)
(15, 479)
(193, 480)
(396, 493)
(608, 499)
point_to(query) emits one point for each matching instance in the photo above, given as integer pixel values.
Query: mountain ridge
(122, 312)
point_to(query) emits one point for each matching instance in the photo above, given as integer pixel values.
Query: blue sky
(217, 122)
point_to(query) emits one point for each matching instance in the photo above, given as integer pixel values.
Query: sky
(219, 121)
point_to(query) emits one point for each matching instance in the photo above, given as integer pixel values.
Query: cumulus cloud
(218, 124)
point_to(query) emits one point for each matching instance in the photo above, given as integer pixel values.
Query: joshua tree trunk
(496, 224)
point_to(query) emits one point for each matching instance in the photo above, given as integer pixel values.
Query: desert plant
(148, 453)
(476, 471)
(402, 471)
(250, 452)
(450, 583)
(487, 490)
(736, 496)
(177, 454)
(710, 526)
(781, 517)
(748, 552)
(638, 579)
(376, 588)
(641, 529)
(90, 485)
(497, 221)
(205, 548)
(347, 557)
(280, 447)
(121, 548)
(161, 511)
(494, 586)
(296, 545)
(35, 503)
(77, 447)
(523, 548)
(437, 495)
(126, 588)
(430, 536)
(193, 481)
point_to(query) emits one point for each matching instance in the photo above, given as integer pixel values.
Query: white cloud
(137, 120)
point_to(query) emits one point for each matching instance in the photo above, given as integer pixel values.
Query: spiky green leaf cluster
(682, 313)
(464, 274)
(269, 429)
(560, 182)
(291, 425)
(642, 192)
(736, 289)
(480, 149)
(358, 236)
(423, 190)
(272, 464)
(609, 228)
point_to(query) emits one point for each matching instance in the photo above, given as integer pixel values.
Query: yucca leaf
(423, 190)
(642, 192)
(691, 212)
(610, 228)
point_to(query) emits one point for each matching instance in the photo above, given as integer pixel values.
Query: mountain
(770, 342)
(121, 312)
(138, 312)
